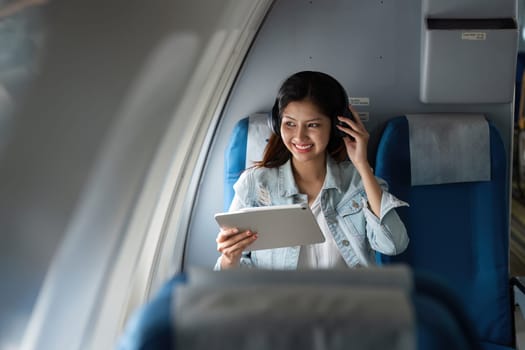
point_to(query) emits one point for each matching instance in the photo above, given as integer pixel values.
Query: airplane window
(114, 112)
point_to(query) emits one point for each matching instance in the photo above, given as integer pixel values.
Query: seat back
(330, 309)
(247, 142)
(458, 231)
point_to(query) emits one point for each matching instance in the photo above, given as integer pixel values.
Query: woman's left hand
(356, 148)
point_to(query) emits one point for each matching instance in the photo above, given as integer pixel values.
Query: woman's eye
(313, 125)
(289, 124)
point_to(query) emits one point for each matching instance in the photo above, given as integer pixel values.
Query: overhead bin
(467, 59)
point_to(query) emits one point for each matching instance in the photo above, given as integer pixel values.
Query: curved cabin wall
(372, 47)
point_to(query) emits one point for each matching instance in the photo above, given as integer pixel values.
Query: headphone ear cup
(275, 120)
(347, 113)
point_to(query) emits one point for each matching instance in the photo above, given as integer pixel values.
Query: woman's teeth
(304, 146)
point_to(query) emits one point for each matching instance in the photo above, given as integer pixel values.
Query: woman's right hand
(231, 243)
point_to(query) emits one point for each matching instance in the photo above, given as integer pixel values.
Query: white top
(324, 255)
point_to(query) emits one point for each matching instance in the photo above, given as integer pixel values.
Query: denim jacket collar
(287, 186)
(333, 175)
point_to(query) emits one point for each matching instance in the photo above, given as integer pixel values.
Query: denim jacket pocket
(351, 207)
(351, 213)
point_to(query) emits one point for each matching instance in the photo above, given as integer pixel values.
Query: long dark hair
(326, 93)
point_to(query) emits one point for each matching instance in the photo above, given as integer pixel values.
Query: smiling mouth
(303, 147)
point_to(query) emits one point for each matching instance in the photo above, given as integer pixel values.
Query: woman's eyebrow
(309, 120)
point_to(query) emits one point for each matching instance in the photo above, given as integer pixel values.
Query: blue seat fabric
(150, 327)
(235, 159)
(457, 231)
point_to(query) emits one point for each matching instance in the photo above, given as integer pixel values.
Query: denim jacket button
(346, 243)
(354, 204)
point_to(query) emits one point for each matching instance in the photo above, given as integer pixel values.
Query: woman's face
(305, 131)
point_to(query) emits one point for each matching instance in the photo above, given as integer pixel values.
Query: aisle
(517, 239)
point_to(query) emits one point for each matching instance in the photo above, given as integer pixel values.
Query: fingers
(225, 234)
(356, 123)
(237, 248)
(231, 243)
(356, 115)
(356, 126)
(234, 242)
(354, 129)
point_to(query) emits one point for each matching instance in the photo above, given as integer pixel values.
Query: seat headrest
(448, 148)
(298, 312)
(258, 135)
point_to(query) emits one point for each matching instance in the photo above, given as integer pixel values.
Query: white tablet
(276, 226)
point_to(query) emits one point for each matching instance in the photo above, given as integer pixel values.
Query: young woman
(308, 161)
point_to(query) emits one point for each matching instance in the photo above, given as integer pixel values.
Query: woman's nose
(301, 132)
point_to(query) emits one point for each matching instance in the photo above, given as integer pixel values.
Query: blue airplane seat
(249, 137)
(150, 327)
(423, 319)
(458, 231)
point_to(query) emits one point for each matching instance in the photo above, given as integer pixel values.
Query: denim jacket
(356, 230)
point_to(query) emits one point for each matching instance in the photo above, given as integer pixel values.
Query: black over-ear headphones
(275, 117)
